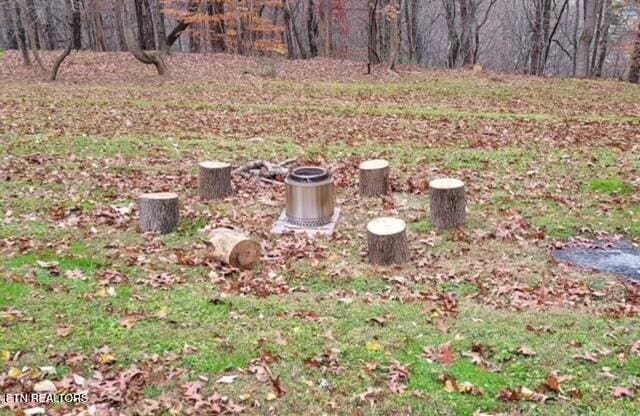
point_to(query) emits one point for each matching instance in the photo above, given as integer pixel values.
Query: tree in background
(130, 20)
(633, 73)
(237, 26)
(585, 38)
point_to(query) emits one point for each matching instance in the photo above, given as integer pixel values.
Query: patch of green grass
(610, 186)
(79, 261)
(421, 227)
(214, 361)
(12, 293)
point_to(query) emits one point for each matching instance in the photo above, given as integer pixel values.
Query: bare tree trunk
(576, 26)
(453, 50)
(157, 13)
(119, 27)
(53, 75)
(291, 47)
(597, 34)
(466, 20)
(22, 38)
(181, 26)
(536, 39)
(539, 37)
(89, 23)
(584, 43)
(326, 17)
(633, 73)
(32, 22)
(292, 29)
(312, 29)
(49, 28)
(146, 35)
(31, 30)
(372, 44)
(604, 39)
(98, 24)
(77, 25)
(8, 23)
(147, 57)
(552, 34)
(411, 16)
(215, 9)
(394, 32)
(239, 33)
(56, 65)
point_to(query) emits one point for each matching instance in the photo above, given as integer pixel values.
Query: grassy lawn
(481, 321)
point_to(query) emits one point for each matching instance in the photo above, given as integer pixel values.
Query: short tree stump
(448, 203)
(159, 212)
(374, 178)
(387, 238)
(214, 180)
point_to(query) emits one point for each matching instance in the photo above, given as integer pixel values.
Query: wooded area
(564, 38)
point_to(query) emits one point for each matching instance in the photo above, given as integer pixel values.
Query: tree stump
(374, 178)
(234, 248)
(387, 238)
(448, 203)
(159, 212)
(214, 180)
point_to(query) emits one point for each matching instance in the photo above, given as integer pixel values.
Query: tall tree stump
(387, 238)
(234, 248)
(374, 178)
(214, 180)
(448, 203)
(159, 212)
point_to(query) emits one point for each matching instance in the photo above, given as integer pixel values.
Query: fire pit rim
(300, 176)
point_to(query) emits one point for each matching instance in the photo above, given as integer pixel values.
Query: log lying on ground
(387, 238)
(214, 180)
(234, 248)
(266, 171)
(159, 212)
(374, 178)
(448, 203)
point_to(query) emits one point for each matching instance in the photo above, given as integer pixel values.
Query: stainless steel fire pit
(310, 197)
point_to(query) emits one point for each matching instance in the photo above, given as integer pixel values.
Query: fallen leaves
(526, 351)
(623, 393)
(374, 346)
(443, 355)
(452, 385)
(398, 378)
(64, 331)
(131, 319)
(522, 394)
(589, 357)
(228, 379)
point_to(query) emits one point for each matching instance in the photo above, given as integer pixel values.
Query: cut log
(234, 248)
(387, 238)
(214, 180)
(374, 178)
(159, 212)
(448, 203)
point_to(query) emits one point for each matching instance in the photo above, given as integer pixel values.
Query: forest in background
(560, 38)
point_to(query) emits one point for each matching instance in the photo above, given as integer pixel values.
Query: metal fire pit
(310, 197)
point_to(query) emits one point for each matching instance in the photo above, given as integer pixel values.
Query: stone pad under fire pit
(621, 258)
(283, 226)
